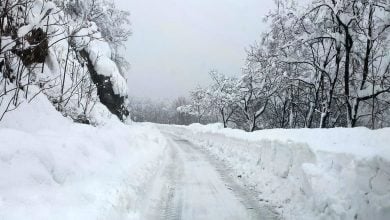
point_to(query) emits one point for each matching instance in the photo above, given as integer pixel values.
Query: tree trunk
(348, 50)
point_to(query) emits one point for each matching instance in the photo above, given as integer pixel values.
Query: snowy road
(191, 185)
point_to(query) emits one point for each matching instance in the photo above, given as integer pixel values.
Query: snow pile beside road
(308, 173)
(360, 142)
(52, 168)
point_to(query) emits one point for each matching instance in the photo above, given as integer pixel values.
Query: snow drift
(307, 173)
(54, 169)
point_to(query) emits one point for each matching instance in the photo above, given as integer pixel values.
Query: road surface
(190, 185)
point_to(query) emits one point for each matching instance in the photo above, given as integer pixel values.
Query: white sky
(176, 42)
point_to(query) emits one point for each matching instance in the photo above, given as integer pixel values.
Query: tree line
(323, 65)
(164, 112)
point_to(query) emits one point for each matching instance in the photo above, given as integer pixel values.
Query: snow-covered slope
(52, 168)
(56, 67)
(43, 53)
(307, 173)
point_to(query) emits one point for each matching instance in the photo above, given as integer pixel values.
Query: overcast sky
(176, 42)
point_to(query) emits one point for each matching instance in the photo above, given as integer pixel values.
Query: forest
(323, 66)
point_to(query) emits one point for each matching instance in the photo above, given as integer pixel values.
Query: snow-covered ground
(303, 173)
(52, 168)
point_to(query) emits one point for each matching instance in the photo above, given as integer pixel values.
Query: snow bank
(54, 169)
(361, 142)
(307, 173)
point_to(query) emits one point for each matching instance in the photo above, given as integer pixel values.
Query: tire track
(171, 204)
(192, 185)
(256, 210)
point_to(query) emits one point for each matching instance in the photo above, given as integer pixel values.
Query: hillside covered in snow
(67, 150)
(67, 50)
